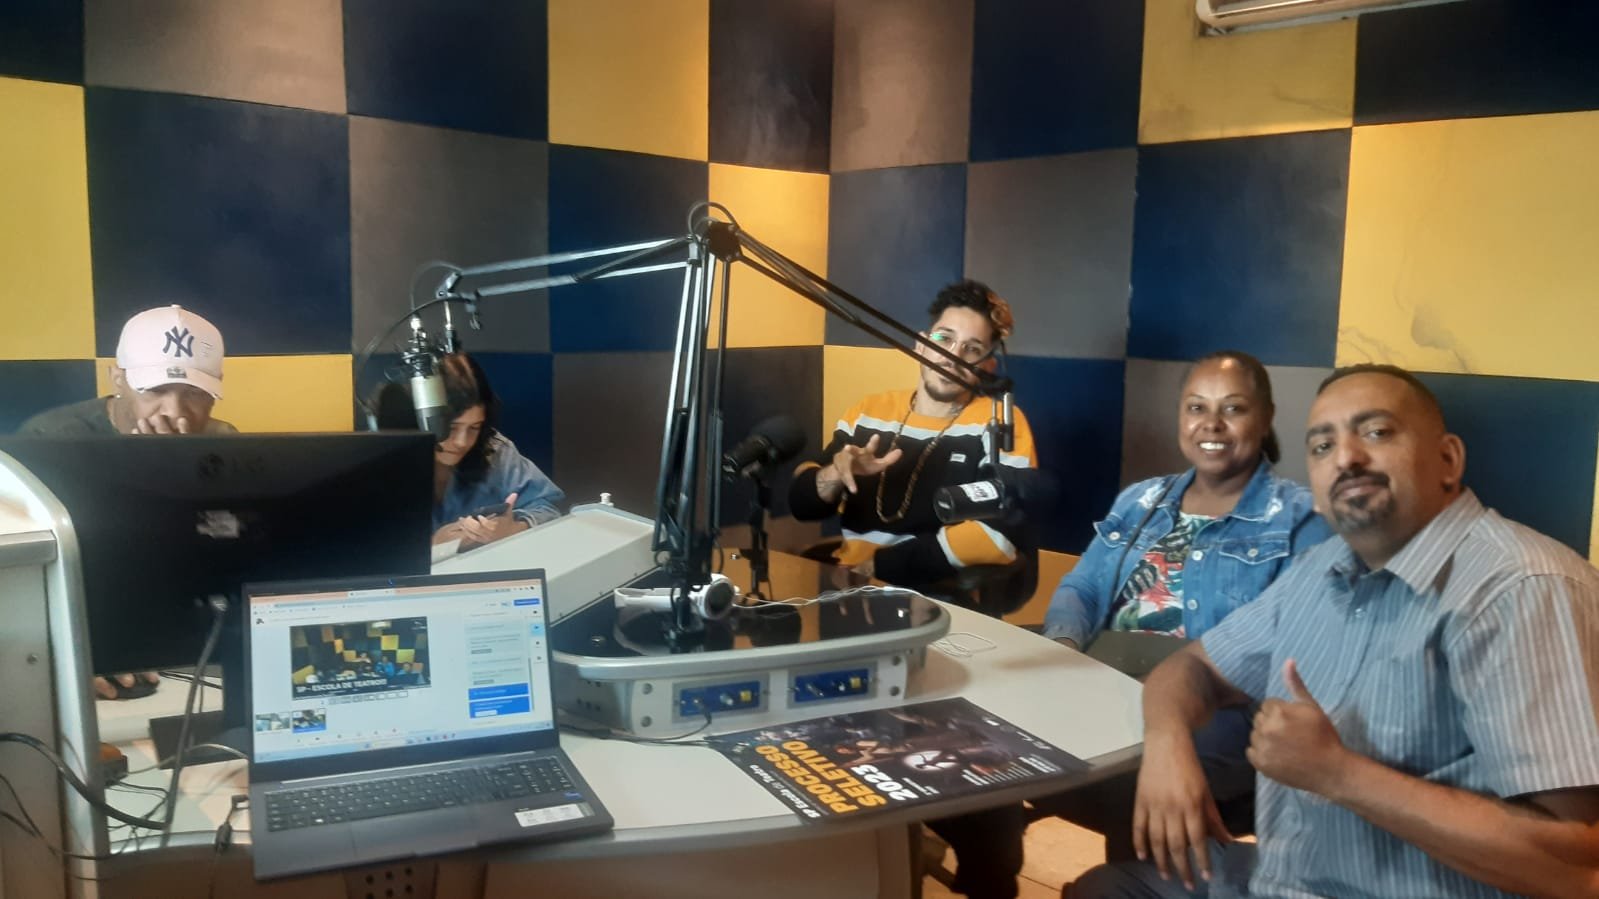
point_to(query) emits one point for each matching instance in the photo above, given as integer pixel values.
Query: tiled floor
(1056, 853)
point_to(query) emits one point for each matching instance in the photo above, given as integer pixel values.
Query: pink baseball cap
(171, 345)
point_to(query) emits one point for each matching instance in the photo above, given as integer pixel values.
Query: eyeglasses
(970, 350)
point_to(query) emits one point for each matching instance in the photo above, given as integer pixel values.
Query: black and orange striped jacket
(916, 549)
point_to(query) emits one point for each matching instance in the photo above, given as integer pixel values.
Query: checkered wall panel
(1414, 187)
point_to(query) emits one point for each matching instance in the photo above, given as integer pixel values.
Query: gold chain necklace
(921, 460)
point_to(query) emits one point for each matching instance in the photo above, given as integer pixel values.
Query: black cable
(32, 826)
(162, 763)
(1116, 573)
(59, 853)
(219, 609)
(186, 677)
(27, 825)
(223, 841)
(135, 839)
(91, 796)
(139, 789)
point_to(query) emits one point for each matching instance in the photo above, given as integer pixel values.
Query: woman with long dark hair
(483, 489)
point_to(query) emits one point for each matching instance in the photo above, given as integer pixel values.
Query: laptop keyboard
(313, 806)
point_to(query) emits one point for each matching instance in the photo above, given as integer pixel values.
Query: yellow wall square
(1470, 246)
(278, 394)
(852, 372)
(786, 211)
(1197, 87)
(48, 307)
(1052, 566)
(631, 75)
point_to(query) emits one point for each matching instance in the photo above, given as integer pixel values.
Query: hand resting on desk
(126, 686)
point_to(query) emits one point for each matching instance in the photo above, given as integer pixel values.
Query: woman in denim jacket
(476, 467)
(1178, 553)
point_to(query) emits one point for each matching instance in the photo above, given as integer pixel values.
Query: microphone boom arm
(685, 534)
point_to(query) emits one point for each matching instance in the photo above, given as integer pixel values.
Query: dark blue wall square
(761, 382)
(523, 381)
(478, 65)
(28, 388)
(42, 40)
(1483, 58)
(772, 84)
(1239, 243)
(1549, 489)
(1051, 77)
(1075, 409)
(601, 198)
(239, 211)
(380, 368)
(894, 238)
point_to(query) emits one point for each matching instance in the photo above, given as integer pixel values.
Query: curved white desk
(688, 822)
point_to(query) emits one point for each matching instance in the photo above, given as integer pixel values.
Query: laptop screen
(340, 670)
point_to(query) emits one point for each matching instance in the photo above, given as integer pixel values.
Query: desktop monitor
(165, 522)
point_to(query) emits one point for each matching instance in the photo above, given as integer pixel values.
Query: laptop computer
(399, 717)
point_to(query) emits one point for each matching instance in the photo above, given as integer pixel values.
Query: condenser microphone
(427, 385)
(709, 602)
(770, 443)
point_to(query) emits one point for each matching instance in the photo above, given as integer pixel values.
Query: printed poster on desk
(865, 762)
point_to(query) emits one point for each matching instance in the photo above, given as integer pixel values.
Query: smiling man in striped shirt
(1430, 724)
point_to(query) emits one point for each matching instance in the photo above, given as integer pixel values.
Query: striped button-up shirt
(1470, 660)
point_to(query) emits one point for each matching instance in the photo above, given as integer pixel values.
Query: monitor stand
(204, 727)
(228, 726)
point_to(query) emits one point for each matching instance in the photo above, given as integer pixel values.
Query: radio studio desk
(688, 821)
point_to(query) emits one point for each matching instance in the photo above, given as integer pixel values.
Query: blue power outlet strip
(719, 698)
(821, 685)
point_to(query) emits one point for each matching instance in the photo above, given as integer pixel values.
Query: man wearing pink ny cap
(167, 377)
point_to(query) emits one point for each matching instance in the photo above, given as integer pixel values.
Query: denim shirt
(537, 497)
(1230, 562)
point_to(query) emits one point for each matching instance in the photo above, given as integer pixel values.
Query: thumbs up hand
(1295, 743)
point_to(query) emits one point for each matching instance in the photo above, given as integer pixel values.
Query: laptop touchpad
(303, 849)
(428, 833)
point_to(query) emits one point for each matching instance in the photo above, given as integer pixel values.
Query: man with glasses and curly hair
(891, 451)
(889, 454)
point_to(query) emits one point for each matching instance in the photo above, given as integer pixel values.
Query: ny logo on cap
(179, 343)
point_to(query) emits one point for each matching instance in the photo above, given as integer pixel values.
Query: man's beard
(941, 388)
(1363, 512)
